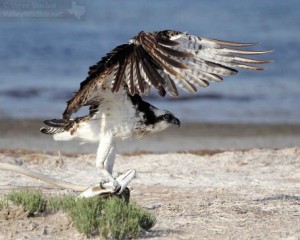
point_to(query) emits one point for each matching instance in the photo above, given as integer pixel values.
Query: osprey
(164, 60)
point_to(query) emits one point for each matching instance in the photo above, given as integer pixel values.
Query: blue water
(43, 61)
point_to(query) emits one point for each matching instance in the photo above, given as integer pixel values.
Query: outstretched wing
(163, 60)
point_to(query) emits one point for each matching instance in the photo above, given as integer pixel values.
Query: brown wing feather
(96, 77)
(163, 59)
(140, 81)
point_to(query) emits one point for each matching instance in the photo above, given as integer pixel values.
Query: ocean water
(43, 60)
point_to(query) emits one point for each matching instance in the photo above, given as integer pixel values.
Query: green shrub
(32, 201)
(110, 217)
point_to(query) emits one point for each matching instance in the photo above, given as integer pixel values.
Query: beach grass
(111, 217)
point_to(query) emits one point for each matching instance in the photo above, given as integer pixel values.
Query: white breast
(116, 115)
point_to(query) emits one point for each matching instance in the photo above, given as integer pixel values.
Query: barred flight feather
(169, 85)
(164, 60)
(139, 81)
(51, 130)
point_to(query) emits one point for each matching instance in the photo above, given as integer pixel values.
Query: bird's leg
(110, 159)
(106, 157)
(109, 188)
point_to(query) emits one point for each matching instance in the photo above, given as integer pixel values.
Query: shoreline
(24, 134)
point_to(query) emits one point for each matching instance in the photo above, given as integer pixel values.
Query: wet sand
(24, 134)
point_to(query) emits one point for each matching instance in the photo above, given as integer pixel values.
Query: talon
(117, 187)
(124, 180)
(110, 184)
(101, 183)
(116, 174)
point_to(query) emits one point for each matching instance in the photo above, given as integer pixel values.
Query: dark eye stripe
(145, 108)
(167, 116)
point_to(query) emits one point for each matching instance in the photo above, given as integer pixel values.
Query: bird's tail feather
(55, 126)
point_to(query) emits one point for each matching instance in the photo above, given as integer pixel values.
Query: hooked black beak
(175, 121)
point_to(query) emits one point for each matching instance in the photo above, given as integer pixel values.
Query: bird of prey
(163, 60)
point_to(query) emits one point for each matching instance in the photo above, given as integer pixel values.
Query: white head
(158, 120)
(155, 119)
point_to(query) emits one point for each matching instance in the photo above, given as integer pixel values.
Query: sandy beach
(202, 181)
